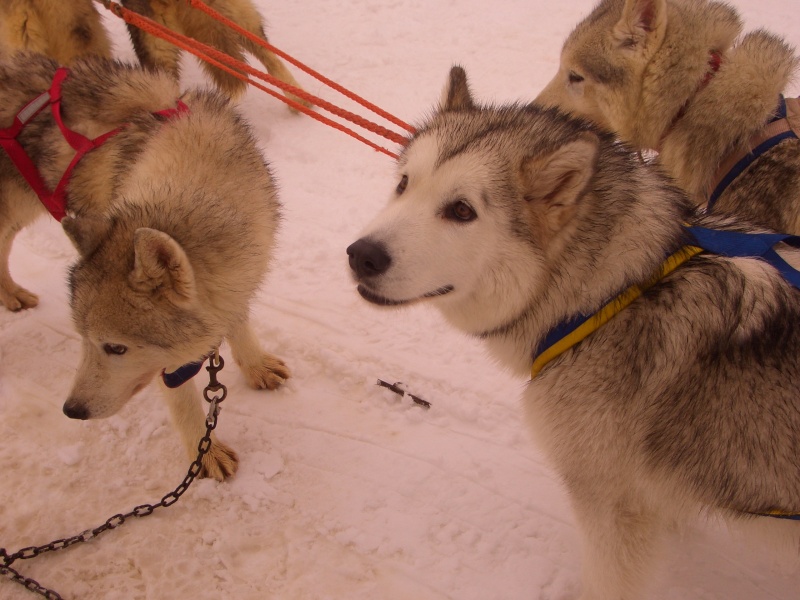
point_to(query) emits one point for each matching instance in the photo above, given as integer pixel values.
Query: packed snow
(345, 490)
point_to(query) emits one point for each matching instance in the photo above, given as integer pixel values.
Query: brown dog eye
(459, 211)
(574, 77)
(401, 187)
(117, 349)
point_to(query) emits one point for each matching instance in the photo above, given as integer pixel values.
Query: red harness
(55, 201)
(714, 63)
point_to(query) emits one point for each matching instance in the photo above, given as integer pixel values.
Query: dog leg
(153, 52)
(274, 66)
(190, 420)
(261, 369)
(230, 85)
(621, 539)
(250, 19)
(12, 295)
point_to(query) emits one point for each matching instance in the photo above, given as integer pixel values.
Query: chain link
(215, 365)
(30, 584)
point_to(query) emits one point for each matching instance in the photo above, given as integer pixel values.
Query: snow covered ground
(345, 491)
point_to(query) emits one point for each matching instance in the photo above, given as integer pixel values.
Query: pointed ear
(161, 266)
(456, 94)
(85, 232)
(642, 24)
(554, 183)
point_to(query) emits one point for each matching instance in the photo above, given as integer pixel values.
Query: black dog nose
(368, 258)
(76, 411)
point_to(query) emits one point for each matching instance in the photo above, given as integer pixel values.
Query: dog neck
(730, 244)
(570, 332)
(784, 125)
(714, 63)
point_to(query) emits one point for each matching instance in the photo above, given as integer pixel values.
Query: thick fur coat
(512, 219)
(179, 16)
(647, 70)
(174, 219)
(65, 31)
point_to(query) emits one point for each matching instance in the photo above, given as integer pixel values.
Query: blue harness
(731, 244)
(762, 145)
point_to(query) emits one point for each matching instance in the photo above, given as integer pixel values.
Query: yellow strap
(608, 311)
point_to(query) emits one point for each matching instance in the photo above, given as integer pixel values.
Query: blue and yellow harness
(731, 244)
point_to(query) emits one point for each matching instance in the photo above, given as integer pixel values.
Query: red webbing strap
(56, 201)
(15, 151)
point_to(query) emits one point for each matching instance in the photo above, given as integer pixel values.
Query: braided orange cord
(235, 67)
(200, 5)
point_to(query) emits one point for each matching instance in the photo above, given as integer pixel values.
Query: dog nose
(75, 410)
(368, 258)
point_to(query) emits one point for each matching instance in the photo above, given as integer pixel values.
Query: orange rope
(238, 69)
(200, 5)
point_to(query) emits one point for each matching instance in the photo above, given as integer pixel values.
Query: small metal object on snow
(398, 388)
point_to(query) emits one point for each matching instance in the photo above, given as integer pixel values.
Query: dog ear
(456, 94)
(85, 232)
(161, 266)
(642, 24)
(554, 183)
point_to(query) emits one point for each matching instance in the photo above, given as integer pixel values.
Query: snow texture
(345, 490)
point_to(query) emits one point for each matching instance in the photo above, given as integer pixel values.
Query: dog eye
(117, 349)
(459, 211)
(401, 187)
(574, 77)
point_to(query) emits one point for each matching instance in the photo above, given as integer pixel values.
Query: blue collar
(182, 374)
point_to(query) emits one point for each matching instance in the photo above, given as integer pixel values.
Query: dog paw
(268, 373)
(18, 298)
(220, 462)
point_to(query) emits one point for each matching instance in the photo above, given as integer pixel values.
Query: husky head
(484, 199)
(632, 64)
(134, 300)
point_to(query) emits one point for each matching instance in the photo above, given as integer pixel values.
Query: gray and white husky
(513, 219)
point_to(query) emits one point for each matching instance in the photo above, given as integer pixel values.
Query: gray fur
(688, 401)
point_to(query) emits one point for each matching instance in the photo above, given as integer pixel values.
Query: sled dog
(173, 217)
(179, 16)
(674, 76)
(513, 219)
(62, 30)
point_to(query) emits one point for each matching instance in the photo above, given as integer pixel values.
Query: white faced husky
(516, 219)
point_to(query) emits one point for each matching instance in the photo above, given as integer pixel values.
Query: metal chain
(209, 393)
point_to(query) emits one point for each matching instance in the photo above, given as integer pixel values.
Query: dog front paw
(18, 298)
(268, 373)
(220, 462)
